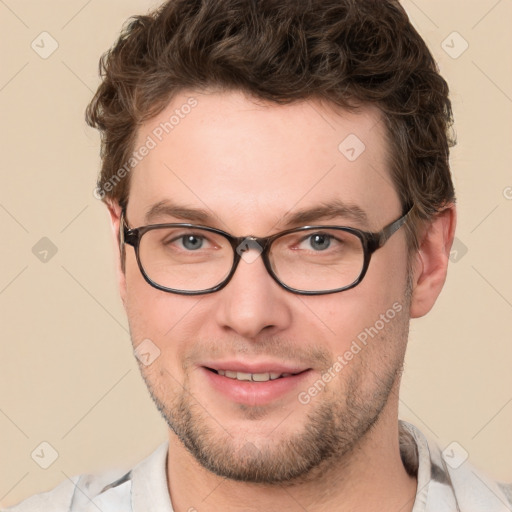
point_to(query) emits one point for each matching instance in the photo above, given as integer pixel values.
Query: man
(278, 183)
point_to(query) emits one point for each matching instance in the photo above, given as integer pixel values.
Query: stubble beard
(336, 423)
(331, 432)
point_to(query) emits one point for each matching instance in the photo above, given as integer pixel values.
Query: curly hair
(346, 52)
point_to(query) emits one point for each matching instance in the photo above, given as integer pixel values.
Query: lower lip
(255, 393)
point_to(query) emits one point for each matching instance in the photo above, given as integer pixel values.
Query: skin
(249, 164)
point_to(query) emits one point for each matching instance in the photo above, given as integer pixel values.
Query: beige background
(68, 377)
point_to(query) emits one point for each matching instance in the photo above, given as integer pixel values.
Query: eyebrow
(166, 208)
(327, 210)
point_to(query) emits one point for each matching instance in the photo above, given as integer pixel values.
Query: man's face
(248, 167)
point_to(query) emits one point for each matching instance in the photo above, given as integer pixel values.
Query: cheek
(340, 318)
(144, 306)
(158, 317)
(345, 316)
(386, 278)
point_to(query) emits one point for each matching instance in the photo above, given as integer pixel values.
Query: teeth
(255, 377)
(260, 377)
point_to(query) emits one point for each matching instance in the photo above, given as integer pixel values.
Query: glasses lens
(317, 259)
(184, 258)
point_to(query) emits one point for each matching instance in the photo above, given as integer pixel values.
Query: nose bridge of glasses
(249, 248)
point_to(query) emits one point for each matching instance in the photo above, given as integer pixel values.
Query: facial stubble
(337, 420)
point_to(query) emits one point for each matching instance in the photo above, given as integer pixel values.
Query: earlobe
(115, 211)
(431, 264)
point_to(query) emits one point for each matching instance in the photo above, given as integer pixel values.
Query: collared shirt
(446, 483)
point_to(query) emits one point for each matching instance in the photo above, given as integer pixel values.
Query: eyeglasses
(190, 259)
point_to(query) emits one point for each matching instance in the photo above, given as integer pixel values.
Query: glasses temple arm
(392, 228)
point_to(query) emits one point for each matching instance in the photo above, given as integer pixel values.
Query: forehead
(251, 163)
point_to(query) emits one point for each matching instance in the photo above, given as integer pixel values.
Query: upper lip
(255, 367)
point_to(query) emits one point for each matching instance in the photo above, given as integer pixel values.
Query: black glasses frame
(370, 242)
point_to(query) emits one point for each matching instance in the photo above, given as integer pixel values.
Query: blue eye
(192, 242)
(320, 242)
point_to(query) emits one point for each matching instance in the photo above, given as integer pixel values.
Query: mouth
(252, 384)
(253, 377)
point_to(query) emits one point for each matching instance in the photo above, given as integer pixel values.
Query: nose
(252, 303)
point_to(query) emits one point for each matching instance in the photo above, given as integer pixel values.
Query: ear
(431, 261)
(115, 221)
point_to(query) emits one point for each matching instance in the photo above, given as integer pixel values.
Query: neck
(371, 477)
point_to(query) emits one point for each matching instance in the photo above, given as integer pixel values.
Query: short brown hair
(347, 52)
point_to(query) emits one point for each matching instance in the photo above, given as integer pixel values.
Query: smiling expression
(233, 363)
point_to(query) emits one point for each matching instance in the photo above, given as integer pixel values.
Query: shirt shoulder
(109, 491)
(83, 493)
(57, 500)
(448, 482)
